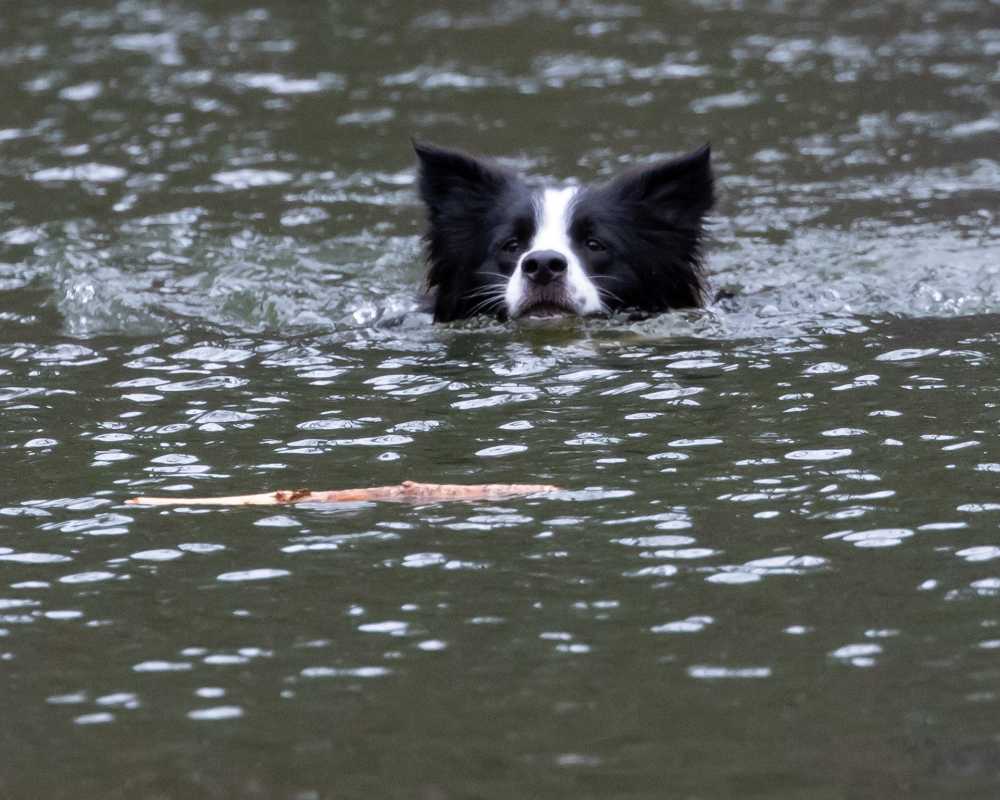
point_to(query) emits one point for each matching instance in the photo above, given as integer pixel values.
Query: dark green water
(775, 569)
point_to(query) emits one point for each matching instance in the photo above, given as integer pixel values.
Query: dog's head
(497, 246)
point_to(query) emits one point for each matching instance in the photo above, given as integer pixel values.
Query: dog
(497, 246)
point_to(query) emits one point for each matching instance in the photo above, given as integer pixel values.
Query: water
(774, 568)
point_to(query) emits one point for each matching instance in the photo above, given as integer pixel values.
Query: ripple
(982, 553)
(986, 125)
(9, 603)
(308, 215)
(825, 368)
(97, 718)
(734, 577)
(666, 540)
(35, 558)
(858, 655)
(659, 571)
(417, 560)
(82, 92)
(162, 666)
(119, 699)
(390, 627)
(87, 577)
(818, 455)
(162, 46)
(708, 672)
(35, 443)
(689, 625)
(739, 99)
(345, 672)
(280, 84)
(163, 554)
(278, 521)
(218, 355)
(262, 574)
(684, 553)
(881, 537)
(68, 613)
(89, 173)
(501, 450)
(785, 565)
(988, 587)
(907, 354)
(201, 384)
(978, 508)
(216, 713)
(251, 178)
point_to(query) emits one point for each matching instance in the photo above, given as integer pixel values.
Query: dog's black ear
(451, 181)
(462, 195)
(681, 189)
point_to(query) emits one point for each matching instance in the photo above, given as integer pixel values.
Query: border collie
(499, 247)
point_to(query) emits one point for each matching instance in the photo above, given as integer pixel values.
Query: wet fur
(650, 220)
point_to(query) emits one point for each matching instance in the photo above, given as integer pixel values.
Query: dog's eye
(512, 245)
(595, 245)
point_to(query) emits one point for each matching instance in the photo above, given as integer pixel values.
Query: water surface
(774, 568)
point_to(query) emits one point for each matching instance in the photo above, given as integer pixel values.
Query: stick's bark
(407, 490)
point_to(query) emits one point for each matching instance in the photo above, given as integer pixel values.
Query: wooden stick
(407, 490)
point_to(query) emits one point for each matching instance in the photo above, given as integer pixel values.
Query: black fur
(652, 219)
(647, 221)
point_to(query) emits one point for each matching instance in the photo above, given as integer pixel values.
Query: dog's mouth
(547, 301)
(546, 308)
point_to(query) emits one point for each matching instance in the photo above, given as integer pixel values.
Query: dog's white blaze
(554, 214)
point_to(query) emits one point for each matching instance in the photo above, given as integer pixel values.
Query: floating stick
(406, 491)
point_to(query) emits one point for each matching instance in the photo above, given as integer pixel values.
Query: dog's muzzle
(545, 290)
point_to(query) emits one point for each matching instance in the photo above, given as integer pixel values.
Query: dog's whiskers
(603, 290)
(484, 290)
(493, 295)
(487, 305)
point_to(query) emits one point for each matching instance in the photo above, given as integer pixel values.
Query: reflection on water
(778, 539)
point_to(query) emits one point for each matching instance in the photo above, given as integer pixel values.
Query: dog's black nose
(544, 266)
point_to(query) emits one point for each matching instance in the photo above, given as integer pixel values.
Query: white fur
(554, 212)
